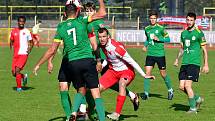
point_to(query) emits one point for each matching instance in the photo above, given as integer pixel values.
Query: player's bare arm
(49, 53)
(179, 55)
(30, 46)
(205, 68)
(101, 12)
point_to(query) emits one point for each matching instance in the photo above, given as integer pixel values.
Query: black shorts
(151, 60)
(189, 72)
(83, 73)
(63, 75)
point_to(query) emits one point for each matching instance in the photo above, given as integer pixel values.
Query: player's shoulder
(148, 27)
(160, 26)
(198, 29)
(117, 43)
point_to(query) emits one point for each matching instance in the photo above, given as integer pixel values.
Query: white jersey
(20, 40)
(118, 57)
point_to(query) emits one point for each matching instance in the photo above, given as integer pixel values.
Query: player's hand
(176, 63)
(205, 69)
(99, 66)
(50, 67)
(36, 68)
(149, 77)
(144, 49)
(156, 38)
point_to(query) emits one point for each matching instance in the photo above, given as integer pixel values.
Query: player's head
(89, 8)
(71, 10)
(153, 15)
(103, 36)
(190, 19)
(21, 22)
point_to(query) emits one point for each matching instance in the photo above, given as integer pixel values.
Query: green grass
(41, 102)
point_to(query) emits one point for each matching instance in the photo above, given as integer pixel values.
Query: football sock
(120, 103)
(196, 97)
(19, 80)
(192, 103)
(146, 85)
(131, 94)
(168, 82)
(83, 105)
(66, 103)
(77, 102)
(90, 102)
(100, 109)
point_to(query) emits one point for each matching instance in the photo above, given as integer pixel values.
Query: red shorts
(19, 61)
(111, 77)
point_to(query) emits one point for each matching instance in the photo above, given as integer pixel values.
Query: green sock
(196, 97)
(168, 82)
(100, 109)
(77, 101)
(192, 103)
(65, 102)
(146, 85)
(90, 102)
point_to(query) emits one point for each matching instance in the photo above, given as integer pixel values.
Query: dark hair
(21, 17)
(101, 30)
(153, 13)
(90, 5)
(70, 9)
(191, 14)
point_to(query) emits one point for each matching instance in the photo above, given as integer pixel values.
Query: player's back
(74, 35)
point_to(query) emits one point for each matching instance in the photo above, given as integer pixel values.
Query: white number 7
(74, 34)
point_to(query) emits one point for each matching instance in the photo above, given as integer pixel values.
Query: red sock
(120, 103)
(19, 80)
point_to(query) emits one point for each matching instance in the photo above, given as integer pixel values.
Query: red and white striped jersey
(20, 40)
(118, 58)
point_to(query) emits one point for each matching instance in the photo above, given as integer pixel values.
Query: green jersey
(156, 48)
(94, 26)
(73, 33)
(192, 41)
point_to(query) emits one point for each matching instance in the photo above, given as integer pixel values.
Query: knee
(182, 88)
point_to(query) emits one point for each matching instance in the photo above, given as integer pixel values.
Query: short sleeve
(57, 37)
(11, 35)
(202, 39)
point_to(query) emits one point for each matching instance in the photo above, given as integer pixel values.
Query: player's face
(190, 21)
(103, 38)
(21, 23)
(153, 19)
(89, 11)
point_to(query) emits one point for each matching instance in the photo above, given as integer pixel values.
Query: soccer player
(192, 42)
(156, 37)
(21, 41)
(121, 69)
(35, 31)
(80, 67)
(93, 28)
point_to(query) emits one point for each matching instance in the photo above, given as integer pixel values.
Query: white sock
(131, 95)
(83, 108)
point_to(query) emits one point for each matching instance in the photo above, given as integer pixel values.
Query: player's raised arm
(122, 53)
(101, 12)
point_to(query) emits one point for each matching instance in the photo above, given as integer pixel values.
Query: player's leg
(149, 64)
(162, 67)
(125, 79)
(64, 85)
(17, 67)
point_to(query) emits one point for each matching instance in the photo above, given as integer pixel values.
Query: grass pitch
(41, 101)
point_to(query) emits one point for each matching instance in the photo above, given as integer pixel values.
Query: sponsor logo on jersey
(193, 38)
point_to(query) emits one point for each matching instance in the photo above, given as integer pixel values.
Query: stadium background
(41, 100)
(125, 15)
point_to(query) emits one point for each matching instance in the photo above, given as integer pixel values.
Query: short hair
(21, 17)
(90, 5)
(70, 9)
(153, 13)
(101, 30)
(191, 14)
